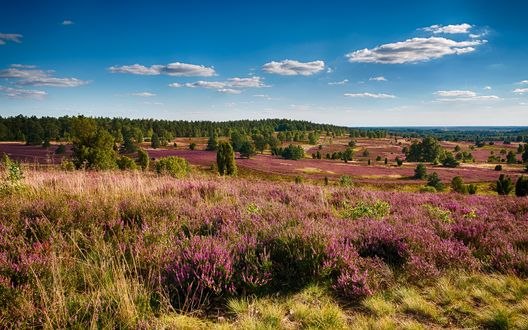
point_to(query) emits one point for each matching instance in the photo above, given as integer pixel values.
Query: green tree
(347, 155)
(420, 172)
(192, 146)
(504, 185)
(225, 159)
(293, 152)
(155, 142)
(450, 160)
(143, 159)
(428, 150)
(212, 143)
(521, 186)
(261, 143)
(434, 181)
(93, 147)
(511, 158)
(313, 138)
(247, 149)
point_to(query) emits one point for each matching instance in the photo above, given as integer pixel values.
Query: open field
(315, 169)
(132, 249)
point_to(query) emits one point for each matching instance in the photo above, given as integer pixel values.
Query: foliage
(212, 143)
(174, 166)
(12, 176)
(434, 181)
(225, 159)
(420, 172)
(521, 186)
(449, 160)
(155, 141)
(143, 159)
(428, 150)
(192, 146)
(247, 149)
(293, 152)
(93, 147)
(376, 210)
(61, 149)
(498, 167)
(126, 163)
(347, 154)
(504, 185)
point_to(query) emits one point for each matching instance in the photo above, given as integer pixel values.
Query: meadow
(134, 249)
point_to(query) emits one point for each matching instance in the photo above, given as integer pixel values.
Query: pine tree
(225, 159)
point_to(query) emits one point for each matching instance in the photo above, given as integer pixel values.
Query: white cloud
(230, 86)
(22, 93)
(520, 90)
(293, 68)
(171, 69)
(371, 95)
(523, 82)
(67, 22)
(342, 82)
(488, 88)
(455, 93)
(28, 75)
(229, 91)
(13, 37)
(449, 29)
(143, 94)
(380, 78)
(463, 95)
(414, 50)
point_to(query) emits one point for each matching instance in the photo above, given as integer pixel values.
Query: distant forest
(37, 130)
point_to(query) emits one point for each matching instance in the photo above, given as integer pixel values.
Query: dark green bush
(174, 166)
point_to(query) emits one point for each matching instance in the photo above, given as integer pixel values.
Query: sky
(352, 63)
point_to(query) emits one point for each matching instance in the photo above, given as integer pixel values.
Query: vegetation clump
(174, 166)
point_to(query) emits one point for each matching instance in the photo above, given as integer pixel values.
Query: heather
(131, 249)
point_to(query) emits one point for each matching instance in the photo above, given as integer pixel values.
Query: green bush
(126, 163)
(174, 166)
(504, 185)
(434, 181)
(67, 165)
(428, 189)
(521, 186)
(376, 210)
(420, 172)
(143, 159)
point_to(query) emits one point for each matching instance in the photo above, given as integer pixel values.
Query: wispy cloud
(520, 90)
(449, 29)
(28, 75)
(143, 94)
(414, 50)
(379, 78)
(370, 95)
(462, 95)
(67, 22)
(488, 88)
(293, 67)
(342, 82)
(171, 69)
(22, 93)
(13, 37)
(230, 86)
(523, 82)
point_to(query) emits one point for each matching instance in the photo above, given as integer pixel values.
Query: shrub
(399, 161)
(293, 152)
(225, 159)
(420, 172)
(472, 188)
(347, 155)
(434, 181)
(345, 181)
(457, 184)
(200, 268)
(67, 165)
(521, 186)
(126, 163)
(504, 185)
(376, 210)
(498, 167)
(192, 146)
(173, 166)
(143, 159)
(450, 160)
(12, 176)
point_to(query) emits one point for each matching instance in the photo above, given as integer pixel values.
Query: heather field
(138, 250)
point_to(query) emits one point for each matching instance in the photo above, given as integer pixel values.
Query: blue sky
(394, 63)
